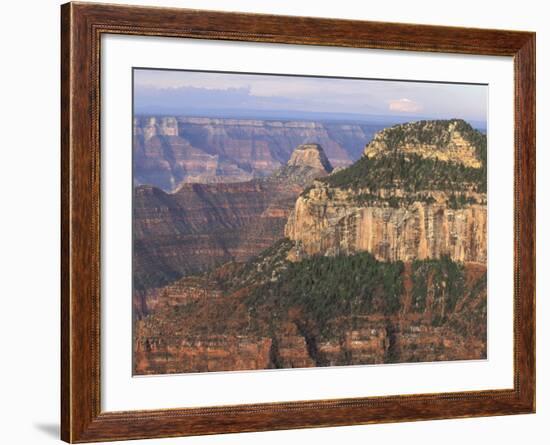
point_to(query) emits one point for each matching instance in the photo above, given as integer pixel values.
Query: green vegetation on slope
(330, 287)
(466, 320)
(332, 299)
(266, 266)
(442, 279)
(412, 172)
(435, 132)
(326, 288)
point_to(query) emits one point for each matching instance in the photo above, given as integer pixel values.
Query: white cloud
(404, 105)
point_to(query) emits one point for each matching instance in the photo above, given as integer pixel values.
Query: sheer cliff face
(398, 222)
(169, 151)
(329, 221)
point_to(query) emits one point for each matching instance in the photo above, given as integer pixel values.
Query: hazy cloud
(404, 105)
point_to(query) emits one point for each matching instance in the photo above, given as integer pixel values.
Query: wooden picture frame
(82, 25)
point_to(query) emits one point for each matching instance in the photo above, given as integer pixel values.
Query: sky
(191, 92)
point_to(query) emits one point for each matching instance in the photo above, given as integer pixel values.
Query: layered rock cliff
(333, 221)
(163, 158)
(203, 225)
(200, 226)
(172, 150)
(405, 200)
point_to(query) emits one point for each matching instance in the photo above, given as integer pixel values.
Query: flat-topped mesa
(445, 140)
(310, 155)
(418, 193)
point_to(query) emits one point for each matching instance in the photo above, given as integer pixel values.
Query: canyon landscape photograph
(286, 221)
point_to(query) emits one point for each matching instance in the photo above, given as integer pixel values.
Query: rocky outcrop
(310, 156)
(307, 163)
(397, 202)
(172, 150)
(331, 221)
(447, 141)
(158, 356)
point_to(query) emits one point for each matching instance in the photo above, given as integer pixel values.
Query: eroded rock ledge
(329, 221)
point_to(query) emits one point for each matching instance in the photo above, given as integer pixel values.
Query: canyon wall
(200, 327)
(203, 225)
(172, 150)
(200, 226)
(330, 221)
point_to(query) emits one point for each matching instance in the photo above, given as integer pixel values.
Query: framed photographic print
(275, 222)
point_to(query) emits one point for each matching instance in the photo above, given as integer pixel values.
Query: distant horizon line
(304, 116)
